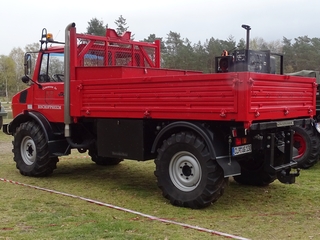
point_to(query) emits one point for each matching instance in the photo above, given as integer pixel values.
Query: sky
(21, 22)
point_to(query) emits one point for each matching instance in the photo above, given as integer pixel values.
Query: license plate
(241, 149)
(285, 123)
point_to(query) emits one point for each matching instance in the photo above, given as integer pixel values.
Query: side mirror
(25, 79)
(27, 64)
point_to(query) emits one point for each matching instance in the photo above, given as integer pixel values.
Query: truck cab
(46, 91)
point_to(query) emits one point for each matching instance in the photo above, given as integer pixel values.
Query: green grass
(275, 212)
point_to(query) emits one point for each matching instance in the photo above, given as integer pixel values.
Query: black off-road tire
(104, 161)
(30, 149)
(306, 141)
(186, 174)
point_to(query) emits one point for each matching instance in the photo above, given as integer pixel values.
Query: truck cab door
(49, 99)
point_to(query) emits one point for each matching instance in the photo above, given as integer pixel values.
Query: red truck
(109, 97)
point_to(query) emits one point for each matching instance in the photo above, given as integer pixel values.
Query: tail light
(240, 141)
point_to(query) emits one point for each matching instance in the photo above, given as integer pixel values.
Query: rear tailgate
(272, 97)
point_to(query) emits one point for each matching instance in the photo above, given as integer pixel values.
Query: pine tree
(122, 27)
(96, 27)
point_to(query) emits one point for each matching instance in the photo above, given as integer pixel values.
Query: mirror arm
(26, 79)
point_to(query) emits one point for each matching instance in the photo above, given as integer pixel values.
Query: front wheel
(30, 149)
(186, 174)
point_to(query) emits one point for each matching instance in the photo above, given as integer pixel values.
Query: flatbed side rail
(115, 50)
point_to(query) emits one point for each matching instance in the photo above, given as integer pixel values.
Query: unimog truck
(109, 97)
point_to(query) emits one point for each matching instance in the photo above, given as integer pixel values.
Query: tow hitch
(285, 176)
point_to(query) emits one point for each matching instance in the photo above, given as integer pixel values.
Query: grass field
(275, 212)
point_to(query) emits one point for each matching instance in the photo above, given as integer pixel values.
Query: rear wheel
(186, 174)
(30, 149)
(307, 143)
(103, 161)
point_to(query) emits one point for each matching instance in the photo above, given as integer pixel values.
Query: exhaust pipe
(67, 117)
(248, 28)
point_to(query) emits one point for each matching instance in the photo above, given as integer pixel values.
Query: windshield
(52, 68)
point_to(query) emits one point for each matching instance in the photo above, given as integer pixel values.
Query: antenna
(58, 34)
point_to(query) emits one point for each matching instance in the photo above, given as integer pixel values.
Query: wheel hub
(185, 171)
(28, 152)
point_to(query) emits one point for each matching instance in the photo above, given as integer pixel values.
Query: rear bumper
(281, 123)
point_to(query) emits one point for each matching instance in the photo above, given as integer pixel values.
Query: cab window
(52, 68)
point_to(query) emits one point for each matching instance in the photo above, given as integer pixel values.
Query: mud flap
(230, 167)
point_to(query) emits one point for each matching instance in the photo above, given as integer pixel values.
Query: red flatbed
(130, 92)
(101, 88)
